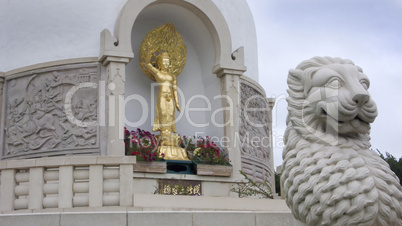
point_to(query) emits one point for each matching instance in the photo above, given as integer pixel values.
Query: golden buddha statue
(156, 62)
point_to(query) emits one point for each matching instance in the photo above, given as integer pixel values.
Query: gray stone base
(151, 218)
(161, 210)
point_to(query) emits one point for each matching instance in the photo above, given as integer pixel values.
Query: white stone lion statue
(330, 176)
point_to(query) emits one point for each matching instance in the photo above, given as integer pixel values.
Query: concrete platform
(150, 218)
(162, 210)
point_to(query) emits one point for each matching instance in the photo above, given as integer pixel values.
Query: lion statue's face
(338, 99)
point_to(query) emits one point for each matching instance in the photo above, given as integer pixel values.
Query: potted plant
(209, 159)
(144, 146)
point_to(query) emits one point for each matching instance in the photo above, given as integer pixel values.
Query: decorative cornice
(2, 75)
(111, 51)
(234, 67)
(271, 102)
(233, 70)
(50, 64)
(107, 59)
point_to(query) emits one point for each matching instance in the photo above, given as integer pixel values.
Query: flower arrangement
(142, 144)
(204, 150)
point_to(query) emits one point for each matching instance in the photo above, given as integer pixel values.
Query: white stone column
(229, 72)
(36, 182)
(230, 90)
(279, 172)
(66, 186)
(7, 190)
(1, 94)
(270, 105)
(114, 59)
(115, 69)
(126, 185)
(95, 185)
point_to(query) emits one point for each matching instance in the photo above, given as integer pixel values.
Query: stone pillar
(1, 95)
(115, 81)
(230, 91)
(66, 186)
(270, 106)
(279, 172)
(7, 190)
(36, 181)
(126, 185)
(115, 62)
(95, 185)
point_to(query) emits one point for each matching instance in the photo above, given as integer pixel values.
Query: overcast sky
(368, 32)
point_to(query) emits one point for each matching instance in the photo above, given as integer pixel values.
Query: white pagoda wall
(41, 31)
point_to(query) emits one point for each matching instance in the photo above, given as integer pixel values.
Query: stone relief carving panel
(254, 134)
(51, 111)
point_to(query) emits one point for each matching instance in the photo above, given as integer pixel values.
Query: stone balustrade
(66, 182)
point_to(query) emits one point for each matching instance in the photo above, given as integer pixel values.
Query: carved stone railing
(66, 182)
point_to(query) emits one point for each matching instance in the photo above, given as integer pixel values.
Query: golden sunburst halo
(164, 38)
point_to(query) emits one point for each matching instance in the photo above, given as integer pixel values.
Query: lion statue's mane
(333, 178)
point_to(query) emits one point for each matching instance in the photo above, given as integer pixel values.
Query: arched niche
(199, 88)
(205, 10)
(210, 57)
